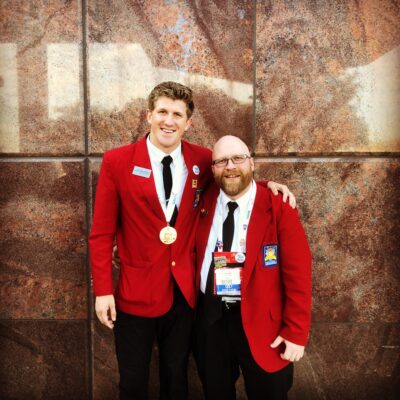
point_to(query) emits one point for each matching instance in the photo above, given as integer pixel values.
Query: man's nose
(169, 119)
(230, 164)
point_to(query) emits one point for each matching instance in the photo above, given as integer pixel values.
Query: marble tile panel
(349, 361)
(327, 77)
(43, 360)
(350, 210)
(43, 247)
(41, 106)
(105, 367)
(206, 46)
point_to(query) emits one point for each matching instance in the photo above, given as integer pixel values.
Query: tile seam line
(254, 43)
(41, 320)
(325, 159)
(42, 159)
(256, 158)
(2, 320)
(87, 193)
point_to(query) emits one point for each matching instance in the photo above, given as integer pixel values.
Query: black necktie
(212, 303)
(229, 226)
(167, 178)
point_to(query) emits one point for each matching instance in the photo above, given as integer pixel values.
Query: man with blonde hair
(147, 198)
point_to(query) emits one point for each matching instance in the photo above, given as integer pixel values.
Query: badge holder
(228, 268)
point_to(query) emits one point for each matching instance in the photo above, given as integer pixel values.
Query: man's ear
(148, 116)
(252, 164)
(188, 123)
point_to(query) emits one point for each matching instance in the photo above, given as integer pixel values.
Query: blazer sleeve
(104, 226)
(295, 261)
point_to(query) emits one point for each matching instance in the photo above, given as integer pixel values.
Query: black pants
(222, 350)
(134, 339)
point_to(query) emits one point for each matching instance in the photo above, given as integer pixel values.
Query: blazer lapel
(258, 224)
(188, 196)
(207, 210)
(147, 186)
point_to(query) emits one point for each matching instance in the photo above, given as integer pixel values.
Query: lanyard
(169, 209)
(243, 221)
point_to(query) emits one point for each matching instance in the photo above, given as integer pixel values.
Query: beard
(233, 187)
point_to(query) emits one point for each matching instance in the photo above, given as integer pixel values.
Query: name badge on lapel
(270, 255)
(140, 171)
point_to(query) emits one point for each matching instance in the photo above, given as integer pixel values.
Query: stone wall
(313, 87)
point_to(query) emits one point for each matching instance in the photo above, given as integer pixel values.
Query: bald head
(229, 145)
(232, 166)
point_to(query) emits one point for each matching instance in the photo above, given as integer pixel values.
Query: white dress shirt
(222, 208)
(156, 156)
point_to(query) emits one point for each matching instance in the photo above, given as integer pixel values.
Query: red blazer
(275, 300)
(127, 207)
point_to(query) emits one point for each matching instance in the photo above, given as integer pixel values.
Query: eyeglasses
(237, 159)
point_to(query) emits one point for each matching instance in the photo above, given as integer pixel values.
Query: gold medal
(168, 234)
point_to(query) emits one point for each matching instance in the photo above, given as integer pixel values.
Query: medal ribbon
(169, 209)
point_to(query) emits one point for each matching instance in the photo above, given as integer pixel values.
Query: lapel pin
(203, 212)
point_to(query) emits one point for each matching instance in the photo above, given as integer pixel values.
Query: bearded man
(254, 281)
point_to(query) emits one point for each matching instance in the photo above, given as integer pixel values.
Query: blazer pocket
(135, 283)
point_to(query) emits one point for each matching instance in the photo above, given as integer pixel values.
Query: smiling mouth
(168, 131)
(231, 176)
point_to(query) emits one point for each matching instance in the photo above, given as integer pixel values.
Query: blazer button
(173, 263)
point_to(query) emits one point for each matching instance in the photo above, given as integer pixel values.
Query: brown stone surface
(133, 47)
(327, 77)
(350, 210)
(349, 361)
(43, 360)
(41, 77)
(43, 250)
(105, 367)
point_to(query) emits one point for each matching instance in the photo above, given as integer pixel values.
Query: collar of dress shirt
(242, 201)
(157, 155)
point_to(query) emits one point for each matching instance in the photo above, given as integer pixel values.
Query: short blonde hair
(173, 91)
